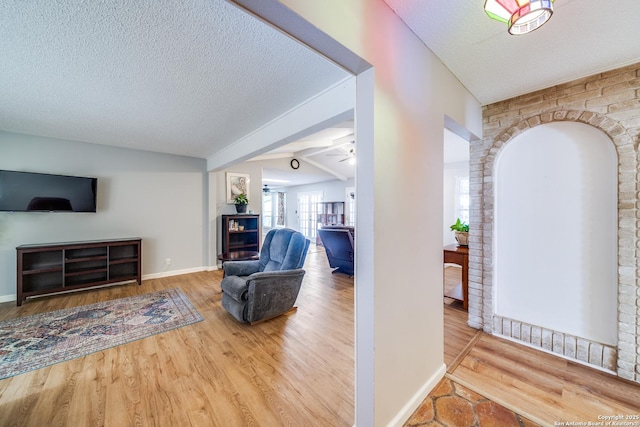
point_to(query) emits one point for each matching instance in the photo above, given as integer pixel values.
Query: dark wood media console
(60, 267)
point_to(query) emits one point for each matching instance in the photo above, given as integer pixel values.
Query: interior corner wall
(158, 197)
(609, 102)
(212, 221)
(413, 91)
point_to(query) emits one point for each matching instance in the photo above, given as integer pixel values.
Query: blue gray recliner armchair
(265, 288)
(338, 243)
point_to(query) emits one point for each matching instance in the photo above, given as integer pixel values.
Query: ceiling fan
(350, 155)
(266, 189)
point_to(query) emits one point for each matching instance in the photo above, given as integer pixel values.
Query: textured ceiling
(582, 38)
(192, 77)
(173, 76)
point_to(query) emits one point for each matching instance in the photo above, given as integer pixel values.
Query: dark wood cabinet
(240, 233)
(456, 254)
(59, 267)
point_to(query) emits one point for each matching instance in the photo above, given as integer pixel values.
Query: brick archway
(623, 359)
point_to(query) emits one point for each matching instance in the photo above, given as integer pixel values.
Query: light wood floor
(458, 336)
(542, 387)
(294, 370)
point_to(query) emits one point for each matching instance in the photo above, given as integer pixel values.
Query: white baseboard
(410, 407)
(14, 297)
(175, 272)
(7, 298)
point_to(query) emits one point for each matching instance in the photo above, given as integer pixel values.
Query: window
(350, 197)
(267, 211)
(462, 198)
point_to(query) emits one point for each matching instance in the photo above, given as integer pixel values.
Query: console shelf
(60, 267)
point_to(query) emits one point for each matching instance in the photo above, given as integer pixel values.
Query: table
(455, 254)
(238, 256)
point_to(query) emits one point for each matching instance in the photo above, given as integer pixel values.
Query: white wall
(556, 230)
(412, 93)
(452, 171)
(159, 198)
(334, 191)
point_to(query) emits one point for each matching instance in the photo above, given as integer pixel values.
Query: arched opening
(620, 358)
(556, 237)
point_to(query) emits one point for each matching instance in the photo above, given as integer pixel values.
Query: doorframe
(281, 17)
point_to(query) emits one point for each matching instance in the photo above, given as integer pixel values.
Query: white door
(307, 215)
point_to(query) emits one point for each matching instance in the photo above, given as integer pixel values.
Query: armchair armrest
(276, 276)
(241, 268)
(270, 293)
(235, 287)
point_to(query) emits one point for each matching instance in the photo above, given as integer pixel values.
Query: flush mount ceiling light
(521, 16)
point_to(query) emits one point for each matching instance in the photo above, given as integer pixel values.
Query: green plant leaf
(459, 226)
(241, 199)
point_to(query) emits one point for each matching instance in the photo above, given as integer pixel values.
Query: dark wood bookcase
(240, 233)
(328, 213)
(59, 267)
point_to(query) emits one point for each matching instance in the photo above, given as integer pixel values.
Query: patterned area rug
(33, 342)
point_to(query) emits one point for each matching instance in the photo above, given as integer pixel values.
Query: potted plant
(241, 202)
(461, 231)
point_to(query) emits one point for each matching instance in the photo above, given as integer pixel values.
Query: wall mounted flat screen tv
(39, 192)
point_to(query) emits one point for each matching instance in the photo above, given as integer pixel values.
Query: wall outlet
(167, 261)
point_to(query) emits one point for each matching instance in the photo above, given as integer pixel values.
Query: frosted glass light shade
(521, 16)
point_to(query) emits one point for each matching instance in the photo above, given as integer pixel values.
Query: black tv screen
(27, 191)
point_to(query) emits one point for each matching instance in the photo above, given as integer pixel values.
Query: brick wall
(609, 101)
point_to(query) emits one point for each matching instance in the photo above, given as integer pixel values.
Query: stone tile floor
(452, 405)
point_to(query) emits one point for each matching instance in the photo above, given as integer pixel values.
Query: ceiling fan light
(521, 16)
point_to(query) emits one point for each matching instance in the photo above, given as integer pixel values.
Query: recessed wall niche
(608, 103)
